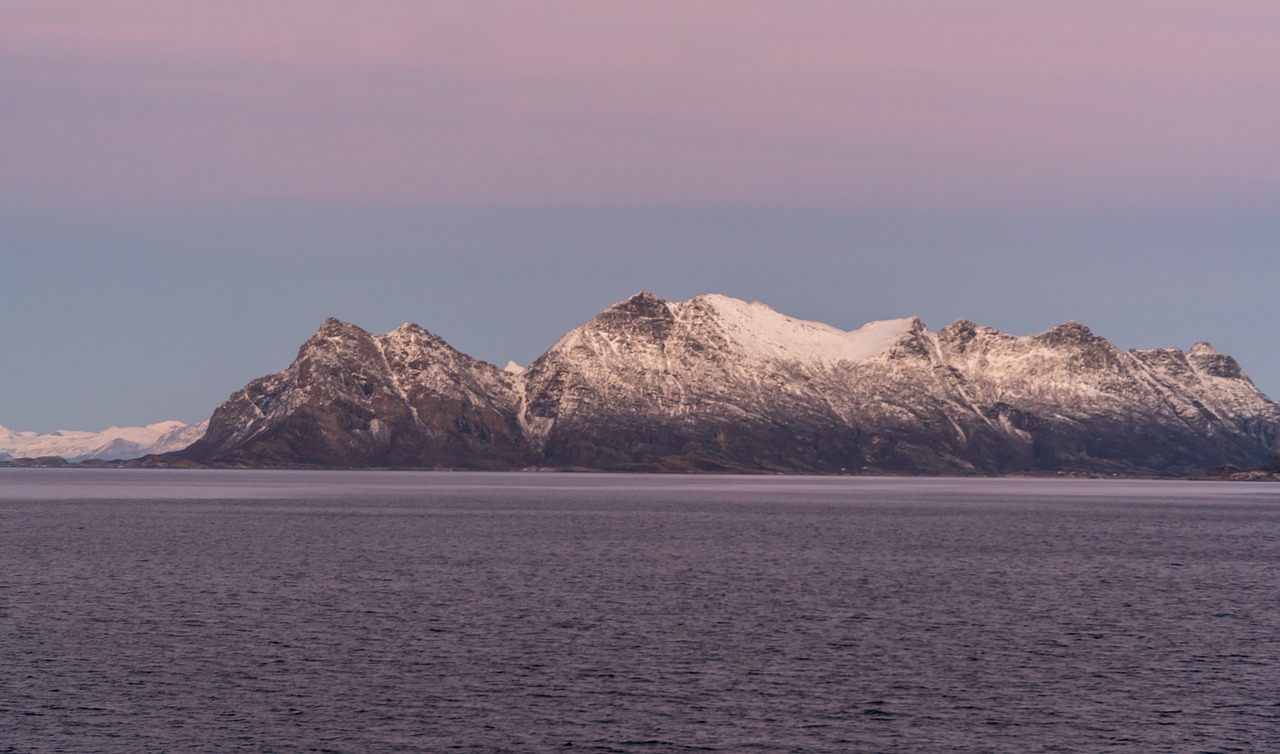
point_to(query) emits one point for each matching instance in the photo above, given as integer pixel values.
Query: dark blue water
(187, 611)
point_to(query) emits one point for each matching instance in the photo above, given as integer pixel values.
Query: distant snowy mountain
(715, 383)
(116, 443)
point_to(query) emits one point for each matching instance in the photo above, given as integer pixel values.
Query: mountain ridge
(719, 384)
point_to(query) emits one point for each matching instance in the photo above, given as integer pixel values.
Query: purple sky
(172, 144)
(902, 102)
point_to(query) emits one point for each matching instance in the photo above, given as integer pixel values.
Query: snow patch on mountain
(759, 330)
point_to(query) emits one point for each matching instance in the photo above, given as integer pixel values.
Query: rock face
(719, 384)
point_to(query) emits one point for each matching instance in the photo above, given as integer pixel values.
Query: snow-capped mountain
(354, 399)
(116, 443)
(720, 384)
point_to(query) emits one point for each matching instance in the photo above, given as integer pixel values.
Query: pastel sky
(188, 189)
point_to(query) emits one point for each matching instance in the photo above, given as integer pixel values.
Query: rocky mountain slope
(112, 444)
(715, 383)
(354, 399)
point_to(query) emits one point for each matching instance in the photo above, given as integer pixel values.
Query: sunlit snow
(761, 331)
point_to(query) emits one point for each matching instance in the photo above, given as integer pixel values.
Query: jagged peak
(643, 304)
(333, 333)
(414, 338)
(962, 329)
(336, 329)
(412, 331)
(1069, 333)
(1073, 327)
(1206, 359)
(961, 332)
(643, 310)
(332, 326)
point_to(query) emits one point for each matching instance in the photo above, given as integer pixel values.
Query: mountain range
(113, 444)
(719, 384)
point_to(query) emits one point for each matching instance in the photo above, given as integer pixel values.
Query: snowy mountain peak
(648, 325)
(1203, 348)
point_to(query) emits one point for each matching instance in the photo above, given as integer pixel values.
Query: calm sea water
(190, 611)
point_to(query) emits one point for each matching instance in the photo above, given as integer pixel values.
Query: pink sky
(930, 103)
